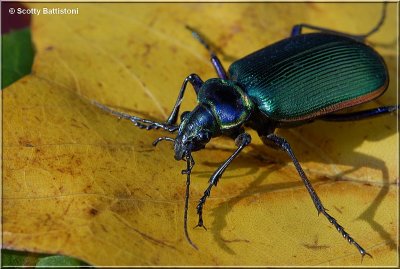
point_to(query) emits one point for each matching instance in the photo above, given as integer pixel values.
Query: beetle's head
(195, 131)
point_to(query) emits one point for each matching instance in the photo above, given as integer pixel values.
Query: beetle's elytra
(297, 80)
(311, 75)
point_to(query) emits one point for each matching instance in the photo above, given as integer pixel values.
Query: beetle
(295, 81)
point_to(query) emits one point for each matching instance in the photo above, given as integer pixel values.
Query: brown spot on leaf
(315, 245)
(93, 211)
(87, 189)
(147, 50)
(25, 142)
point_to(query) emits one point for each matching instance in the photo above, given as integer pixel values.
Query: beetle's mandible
(294, 81)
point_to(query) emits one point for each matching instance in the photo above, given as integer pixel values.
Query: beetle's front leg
(196, 82)
(139, 122)
(169, 125)
(242, 140)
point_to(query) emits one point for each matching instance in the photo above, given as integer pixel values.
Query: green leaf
(58, 260)
(12, 258)
(17, 56)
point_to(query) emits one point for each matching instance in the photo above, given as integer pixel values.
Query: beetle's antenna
(213, 57)
(200, 39)
(189, 166)
(381, 21)
(164, 138)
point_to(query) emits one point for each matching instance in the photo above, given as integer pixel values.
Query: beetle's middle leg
(242, 140)
(284, 145)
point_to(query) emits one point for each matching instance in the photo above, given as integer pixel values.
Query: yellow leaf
(78, 181)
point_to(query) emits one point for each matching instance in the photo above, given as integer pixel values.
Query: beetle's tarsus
(200, 223)
(365, 253)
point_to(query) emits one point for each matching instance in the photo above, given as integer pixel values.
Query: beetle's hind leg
(284, 145)
(219, 69)
(297, 29)
(361, 115)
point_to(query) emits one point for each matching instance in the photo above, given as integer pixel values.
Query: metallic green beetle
(297, 80)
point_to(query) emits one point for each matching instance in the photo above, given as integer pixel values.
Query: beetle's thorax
(195, 130)
(222, 107)
(230, 105)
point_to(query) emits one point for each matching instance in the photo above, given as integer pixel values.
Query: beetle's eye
(184, 115)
